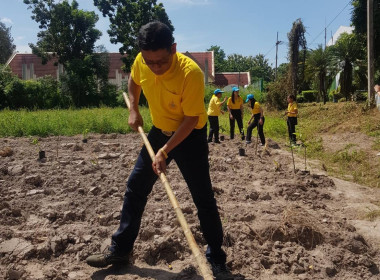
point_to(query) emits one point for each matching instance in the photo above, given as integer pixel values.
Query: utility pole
(370, 52)
(277, 43)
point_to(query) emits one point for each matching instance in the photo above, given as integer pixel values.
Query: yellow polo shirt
(214, 106)
(174, 94)
(256, 108)
(292, 107)
(237, 104)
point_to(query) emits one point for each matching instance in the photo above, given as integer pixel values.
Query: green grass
(315, 120)
(66, 122)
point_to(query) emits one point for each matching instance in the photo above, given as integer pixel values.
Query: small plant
(36, 142)
(304, 144)
(85, 134)
(41, 153)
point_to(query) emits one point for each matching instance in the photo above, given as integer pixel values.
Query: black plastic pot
(84, 140)
(241, 152)
(41, 154)
(221, 137)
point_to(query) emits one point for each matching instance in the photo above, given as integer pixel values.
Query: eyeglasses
(159, 63)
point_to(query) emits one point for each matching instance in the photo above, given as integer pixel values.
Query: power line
(330, 22)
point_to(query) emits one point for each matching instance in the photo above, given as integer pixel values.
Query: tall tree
(348, 50)
(219, 58)
(297, 40)
(359, 21)
(6, 43)
(260, 68)
(69, 34)
(317, 66)
(126, 17)
(66, 32)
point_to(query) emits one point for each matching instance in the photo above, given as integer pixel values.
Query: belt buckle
(167, 133)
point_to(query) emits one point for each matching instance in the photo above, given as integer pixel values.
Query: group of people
(257, 119)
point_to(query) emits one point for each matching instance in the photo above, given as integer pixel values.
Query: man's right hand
(135, 120)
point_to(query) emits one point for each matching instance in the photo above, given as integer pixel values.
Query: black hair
(155, 35)
(253, 101)
(292, 97)
(233, 96)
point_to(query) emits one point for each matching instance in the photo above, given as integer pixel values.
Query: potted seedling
(223, 130)
(85, 134)
(303, 144)
(41, 153)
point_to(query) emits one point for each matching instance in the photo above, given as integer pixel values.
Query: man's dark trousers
(191, 156)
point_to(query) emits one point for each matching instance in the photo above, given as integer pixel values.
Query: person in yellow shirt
(291, 121)
(213, 112)
(258, 119)
(173, 85)
(235, 111)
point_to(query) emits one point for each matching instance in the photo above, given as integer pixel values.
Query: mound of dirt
(280, 221)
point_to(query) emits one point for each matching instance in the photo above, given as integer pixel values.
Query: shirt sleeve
(135, 70)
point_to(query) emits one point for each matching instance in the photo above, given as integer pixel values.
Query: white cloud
(6, 20)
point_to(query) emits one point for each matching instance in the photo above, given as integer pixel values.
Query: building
(29, 66)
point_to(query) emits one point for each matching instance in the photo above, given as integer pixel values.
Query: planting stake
(199, 257)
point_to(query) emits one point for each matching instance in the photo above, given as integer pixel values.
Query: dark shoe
(103, 260)
(242, 137)
(221, 272)
(217, 142)
(209, 140)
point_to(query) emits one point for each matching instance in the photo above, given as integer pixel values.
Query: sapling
(85, 133)
(41, 154)
(303, 141)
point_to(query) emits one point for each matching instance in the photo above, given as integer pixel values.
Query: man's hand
(159, 163)
(135, 120)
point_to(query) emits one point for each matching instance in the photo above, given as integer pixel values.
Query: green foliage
(219, 59)
(6, 43)
(66, 32)
(348, 50)
(297, 40)
(308, 96)
(277, 93)
(126, 18)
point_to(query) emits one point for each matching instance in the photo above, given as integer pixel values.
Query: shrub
(309, 95)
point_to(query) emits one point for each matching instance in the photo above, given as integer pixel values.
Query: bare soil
(279, 222)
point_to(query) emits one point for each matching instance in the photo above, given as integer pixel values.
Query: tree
(6, 43)
(126, 18)
(317, 66)
(219, 59)
(69, 34)
(359, 21)
(66, 32)
(297, 40)
(259, 68)
(348, 50)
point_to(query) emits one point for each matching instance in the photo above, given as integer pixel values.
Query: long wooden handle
(199, 257)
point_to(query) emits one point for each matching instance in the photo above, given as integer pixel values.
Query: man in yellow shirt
(173, 85)
(291, 121)
(213, 112)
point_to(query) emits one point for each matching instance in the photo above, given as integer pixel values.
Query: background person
(213, 112)
(291, 121)
(377, 95)
(235, 110)
(173, 85)
(258, 119)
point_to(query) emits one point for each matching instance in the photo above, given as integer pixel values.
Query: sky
(243, 27)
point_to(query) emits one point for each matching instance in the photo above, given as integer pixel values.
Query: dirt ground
(279, 224)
